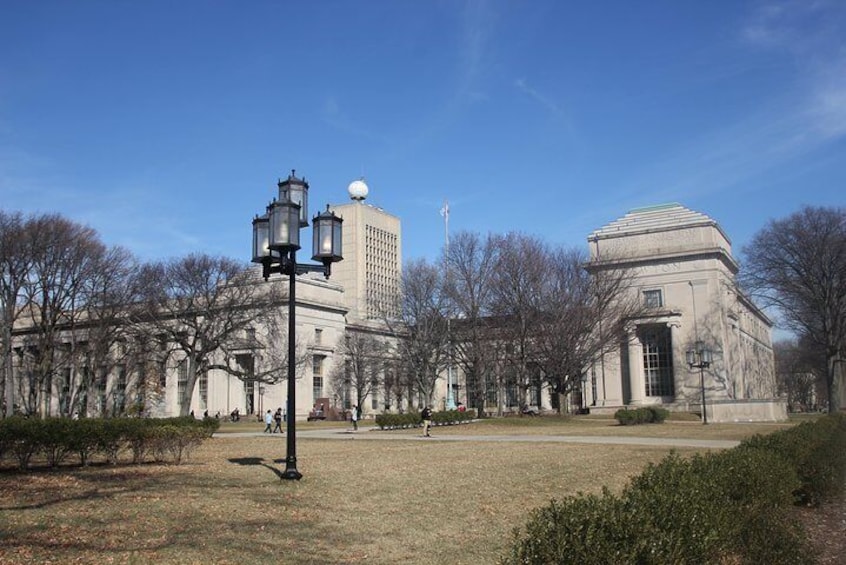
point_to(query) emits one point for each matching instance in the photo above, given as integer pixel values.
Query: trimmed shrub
(644, 415)
(584, 529)
(700, 509)
(388, 421)
(726, 507)
(85, 438)
(658, 414)
(818, 452)
(398, 421)
(23, 438)
(54, 439)
(209, 426)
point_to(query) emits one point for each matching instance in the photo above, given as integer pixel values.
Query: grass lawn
(359, 501)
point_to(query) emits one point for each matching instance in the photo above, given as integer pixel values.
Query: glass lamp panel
(327, 237)
(691, 357)
(706, 356)
(261, 238)
(284, 226)
(296, 191)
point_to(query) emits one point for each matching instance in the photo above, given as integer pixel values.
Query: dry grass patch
(359, 501)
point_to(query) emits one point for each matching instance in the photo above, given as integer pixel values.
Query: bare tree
(420, 330)
(204, 305)
(65, 259)
(520, 272)
(470, 263)
(584, 308)
(15, 262)
(799, 372)
(364, 356)
(110, 322)
(798, 265)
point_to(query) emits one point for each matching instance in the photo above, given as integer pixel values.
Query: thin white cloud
(807, 114)
(813, 35)
(478, 25)
(543, 100)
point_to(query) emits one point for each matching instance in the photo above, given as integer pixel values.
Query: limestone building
(685, 274)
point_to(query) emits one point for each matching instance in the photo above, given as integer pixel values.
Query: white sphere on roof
(358, 189)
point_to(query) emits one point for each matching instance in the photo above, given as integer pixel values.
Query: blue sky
(165, 125)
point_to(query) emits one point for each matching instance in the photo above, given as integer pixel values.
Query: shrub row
(729, 506)
(58, 438)
(412, 419)
(817, 451)
(645, 415)
(450, 417)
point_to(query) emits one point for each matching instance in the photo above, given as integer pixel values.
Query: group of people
(277, 417)
(270, 419)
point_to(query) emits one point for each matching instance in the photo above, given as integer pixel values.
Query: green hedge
(388, 421)
(817, 450)
(730, 506)
(644, 415)
(55, 439)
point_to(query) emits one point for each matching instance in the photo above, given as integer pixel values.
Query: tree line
(511, 312)
(75, 310)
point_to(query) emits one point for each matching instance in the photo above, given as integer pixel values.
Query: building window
(317, 365)
(316, 387)
(101, 391)
(653, 298)
(64, 396)
(536, 389)
(204, 391)
(182, 382)
(250, 396)
(347, 399)
(511, 390)
(657, 361)
(318, 336)
(140, 381)
(490, 392)
(247, 364)
(163, 375)
(120, 393)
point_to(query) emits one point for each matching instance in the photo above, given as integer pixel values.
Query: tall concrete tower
(372, 248)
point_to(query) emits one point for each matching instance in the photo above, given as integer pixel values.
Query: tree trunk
(837, 386)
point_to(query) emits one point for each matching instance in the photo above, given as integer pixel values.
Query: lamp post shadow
(257, 461)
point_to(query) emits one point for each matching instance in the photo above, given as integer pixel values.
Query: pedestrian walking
(277, 417)
(354, 418)
(426, 414)
(268, 421)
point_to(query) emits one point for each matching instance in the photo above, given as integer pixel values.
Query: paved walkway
(376, 434)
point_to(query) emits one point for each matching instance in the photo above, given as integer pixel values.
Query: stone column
(679, 360)
(636, 382)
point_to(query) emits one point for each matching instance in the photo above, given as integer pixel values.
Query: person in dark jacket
(426, 414)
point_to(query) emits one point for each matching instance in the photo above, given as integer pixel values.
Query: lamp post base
(291, 473)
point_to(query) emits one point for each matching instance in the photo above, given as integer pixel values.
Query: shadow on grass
(255, 461)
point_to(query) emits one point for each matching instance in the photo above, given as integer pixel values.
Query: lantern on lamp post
(700, 358)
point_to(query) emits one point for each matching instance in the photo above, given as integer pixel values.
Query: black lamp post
(276, 239)
(700, 358)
